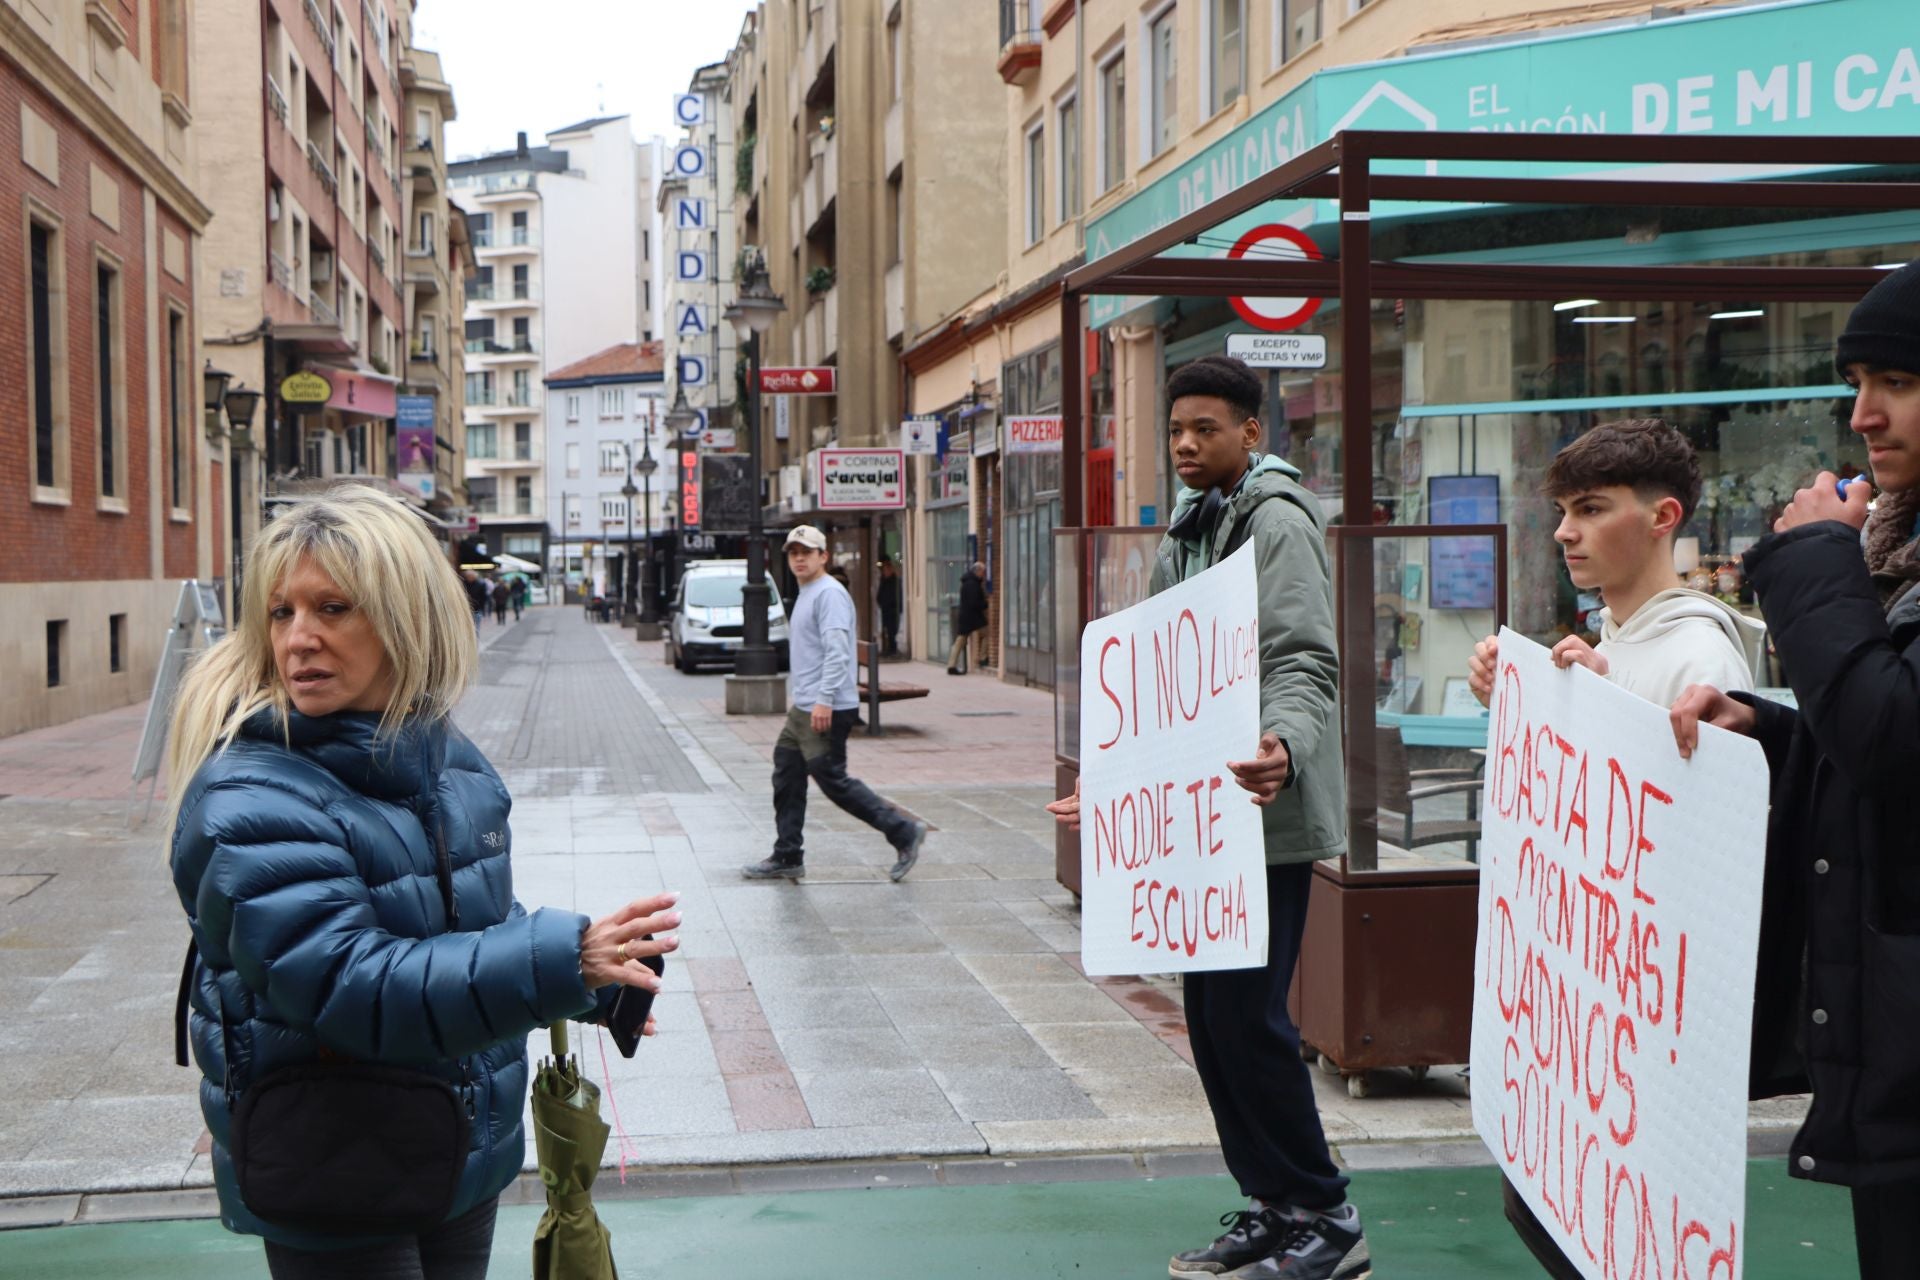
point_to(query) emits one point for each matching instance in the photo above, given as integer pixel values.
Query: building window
(613, 402)
(116, 642)
(1163, 84)
(523, 495)
(522, 284)
(523, 442)
(56, 651)
(1112, 122)
(480, 388)
(483, 441)
(573, 406)
(1036, 183)
(47, 333)
(424, 350)
(573, 459)
(613, 510)
(522, 389)
(179, 437)
(483, 495)
(1296, 27)
(1226, 52)
(1066, 135)
(422, 129)
(107, 391)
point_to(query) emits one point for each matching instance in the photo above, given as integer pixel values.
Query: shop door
(945, 565)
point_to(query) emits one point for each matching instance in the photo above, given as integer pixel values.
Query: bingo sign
(1614, 974)
(1275, 242)
(862, 479)
(1173, 864)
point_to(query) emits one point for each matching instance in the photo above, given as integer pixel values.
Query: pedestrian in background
(517, 593)
(826, 704)
(364, 981)
(1840, 924)
(970, 617)
(1298, 1224)
(888, 598)
(476, 597)
(497, 589)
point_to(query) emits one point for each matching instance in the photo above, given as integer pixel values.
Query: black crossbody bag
(344, 1148)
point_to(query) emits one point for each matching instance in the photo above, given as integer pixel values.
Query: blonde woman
(365, 981)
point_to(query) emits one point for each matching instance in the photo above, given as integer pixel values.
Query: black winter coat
(1840, 938)
(973, 604)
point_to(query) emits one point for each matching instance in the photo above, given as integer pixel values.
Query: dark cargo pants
(802, 753)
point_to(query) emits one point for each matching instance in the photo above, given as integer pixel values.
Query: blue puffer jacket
(310, 877)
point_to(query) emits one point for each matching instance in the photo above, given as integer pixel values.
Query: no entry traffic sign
(1267, 243)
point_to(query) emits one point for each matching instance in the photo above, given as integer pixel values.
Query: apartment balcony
(277, 103)
(1020, 41)
(491, 352)
(505, 401)
(822, 184)
(321, 26)
(816, 54)
(323, 312)
(506, 298)
(896, 300)
(518, 243)
(317, 161)
(377, 257)
(896, 138)
(820, 330)
(417, 354)
(281, 270)
(501, 188)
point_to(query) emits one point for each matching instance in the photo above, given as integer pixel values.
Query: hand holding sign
(1172, 872)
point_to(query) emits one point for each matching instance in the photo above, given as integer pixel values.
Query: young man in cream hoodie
(1623, 490)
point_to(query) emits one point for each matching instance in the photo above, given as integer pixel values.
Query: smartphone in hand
(631, 1008)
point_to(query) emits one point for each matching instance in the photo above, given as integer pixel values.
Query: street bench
(872, 688)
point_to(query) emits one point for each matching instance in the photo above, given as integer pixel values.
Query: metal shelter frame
(1342, 169)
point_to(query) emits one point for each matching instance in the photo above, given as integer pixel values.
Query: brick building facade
(111, 494)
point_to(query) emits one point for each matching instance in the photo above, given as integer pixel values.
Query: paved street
(842, 1019)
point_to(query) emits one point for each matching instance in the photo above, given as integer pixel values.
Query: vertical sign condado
(1173, 866)
(1613, 980)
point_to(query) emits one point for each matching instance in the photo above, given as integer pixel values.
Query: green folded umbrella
(570, 1243)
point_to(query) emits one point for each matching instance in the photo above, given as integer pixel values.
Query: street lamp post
(753, 311)
(646, 467)
(629, 492)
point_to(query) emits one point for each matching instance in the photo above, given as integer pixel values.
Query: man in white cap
(826, 703)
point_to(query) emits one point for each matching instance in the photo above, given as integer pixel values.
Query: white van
(706, 622)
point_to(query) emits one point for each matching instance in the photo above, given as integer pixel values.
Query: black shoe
(1250, 1236)
(1314, 1246)
(909, 854)
(775, 869)
(955, 671)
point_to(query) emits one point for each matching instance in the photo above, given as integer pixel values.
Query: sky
(513, 71)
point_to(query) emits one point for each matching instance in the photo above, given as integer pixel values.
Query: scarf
(1893, 553)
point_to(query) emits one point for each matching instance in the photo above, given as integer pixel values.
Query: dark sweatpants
(802, 752)
(1248, 1053)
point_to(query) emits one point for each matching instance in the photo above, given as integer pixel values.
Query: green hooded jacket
(1299, 655)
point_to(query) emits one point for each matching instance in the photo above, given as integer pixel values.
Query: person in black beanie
(1838, 993)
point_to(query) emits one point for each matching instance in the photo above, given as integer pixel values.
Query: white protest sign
(1613, 978)
(1173, 866)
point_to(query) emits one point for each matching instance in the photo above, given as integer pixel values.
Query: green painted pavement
(1423, 1225)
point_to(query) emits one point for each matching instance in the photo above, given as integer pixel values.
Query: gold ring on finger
(621, 951)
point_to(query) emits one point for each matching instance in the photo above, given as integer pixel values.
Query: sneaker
(1250, 1236)
(909, 854)
(774, 869)
(1314, 1246)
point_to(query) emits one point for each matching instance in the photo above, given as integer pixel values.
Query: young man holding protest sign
(1298, 1224)
(1841, 922)
(1623, 490)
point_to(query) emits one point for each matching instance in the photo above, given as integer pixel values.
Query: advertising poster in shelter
(1613, 976)
(1173, 868)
